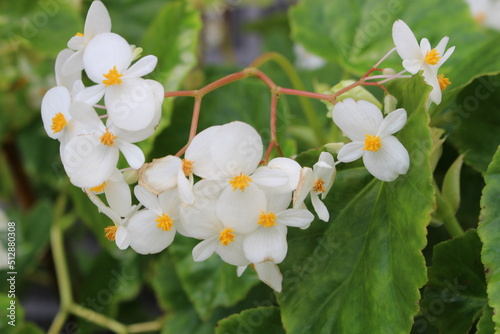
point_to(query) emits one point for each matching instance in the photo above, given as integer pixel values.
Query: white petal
(277, 201)
(270, 274)
(306, 182)
(271, 178)
(233, 253)
(142, 67)
(405, 41)
(442, 45)
(199, 152)
(66, 79)
(84, 113)
(73, 65)
(161, 174)
(185, 187)
(97, 21)
(425, 46)
(91, 95)
(122, 238)
(145, 236)
(148, 200)
(392, 123)
(240, 270)
(240, 210)
(87, 162)
(357, 118)
(56, 100)
(389, 162)
(445, 56)
(237, 148)
(319, 207)
(351, 151)
(118, 194)
(131, 105)
(133, 154)
(266, 244)
(431, 78)
(103, 53)
(76, 43)
(170, 203)
(205, 249)
(295, 217)
(290, 167)
(413, 65)
(327, 158)
(101, 207)
(200, 220)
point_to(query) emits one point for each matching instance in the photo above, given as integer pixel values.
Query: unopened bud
(390, 103)
(388, 71)
(333, 147)
(130, 176)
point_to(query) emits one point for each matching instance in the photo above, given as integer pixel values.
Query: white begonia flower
(383, 155)
(153, 229)
(117, 193)
(268, 241)
(228, 156)
(118, 232)
(316, 181)
(129, 100)
(268, 272)
(421, 57)
(90, 159)
(486, 12)
(97, 22)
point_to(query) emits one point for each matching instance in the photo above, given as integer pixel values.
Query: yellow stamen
(241, 181)
(108, 138)
(480, 17)
(110, 232)
(372, 143)
(99, 188)
(432, 57)
(443, 81)
(226, 236)
(164, 222)
(58, 122)
(112, 78)
(267, 220)
(319, 186)
(79, 34)
(187, 167)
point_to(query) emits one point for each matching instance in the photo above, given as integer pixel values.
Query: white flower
(268, 272)
(486, 12)
(90, 159)
(117, 193)
(306, 60)
(383, 155)
(153, 229)
(421, 57)
(129, 100)
(316, 181)
(97, 22)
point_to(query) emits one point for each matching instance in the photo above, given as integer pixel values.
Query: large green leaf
(261, 320)
(474, 120)
(489, 232)
(456, 292)
(361, 271)
(358, 33)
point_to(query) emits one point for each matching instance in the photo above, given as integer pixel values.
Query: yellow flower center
(164, 222)
(443, 81)
(58, 122)
(110, 232)
(99, 188)
(432, 57)
(79, 34)
(112, 78)
(372, 143)
(480, 17)
(319, 186)
(241, 181)
(187, 166)
(108, 138)
(226, 236)
(267, 219)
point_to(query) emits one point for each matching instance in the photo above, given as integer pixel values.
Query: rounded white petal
(295, 217)
(413, 65)
(237, 148)
(66, 79)
(351, 151)
(405, 41)
(270, 274)
(74, 64)
(199, 220)
(118, 194)
(122, 238)
(277, 201)
(103, 53)
(87, 161)
(91, 95)
(431, 79)
(142, 67)
(205, 249)
(84, 113)
(97, 21)
(185, 187)
(319, 207)
(271, 178)
(77, 43)
(290, 167)
(145, 236)
(392, 123)
(266, 244)
(56, 100)
(133, 154)
(131, 105)
(425, 46)
(170, 203)
(148, 200)
(306, 183)
(240, 210)
(199, 153)
(161, 174)
(390, 161)
(233, 253)
(357, 118)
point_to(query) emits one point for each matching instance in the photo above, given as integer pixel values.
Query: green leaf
(473, 121)
(173, 38)
(456, 292)
(485, 324)
(361, 271)
(12, 313)
(451, 184)
(489, 232)
(261, 320)
(210, 283)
